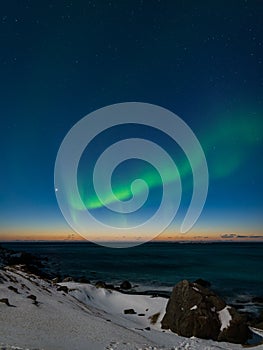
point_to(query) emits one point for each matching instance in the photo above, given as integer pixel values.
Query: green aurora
(226, 145)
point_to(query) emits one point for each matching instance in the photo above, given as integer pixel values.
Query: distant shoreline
(150, 242)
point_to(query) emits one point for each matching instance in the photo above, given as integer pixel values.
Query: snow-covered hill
(34, 314)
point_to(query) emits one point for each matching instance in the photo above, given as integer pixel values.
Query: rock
(238, 331)
(68, 279)
(100, 284)
(2, 279)
(33, 297)
(62, 289)
(257, 300)
(5, 301)
(125, 285)
(83, 280)
(55, 280)
(27, 262)
(203, 283)
(129, 312)
(184, 319)
(256, 322)
(260, 317)
(147, 328)
(217, 302)
(13, 289)
(193, 310)
(259, 325)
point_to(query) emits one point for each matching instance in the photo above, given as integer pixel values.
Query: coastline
(155, 267)
(73, 315)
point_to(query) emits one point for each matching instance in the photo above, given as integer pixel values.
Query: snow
(257, 331)
(87, 318)
(194, 307)
(224, 317)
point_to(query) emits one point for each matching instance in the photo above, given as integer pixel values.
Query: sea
(235, 270)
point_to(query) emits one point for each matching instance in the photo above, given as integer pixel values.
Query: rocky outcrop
(62, 289)
(68, 279)
(203, 283)
(125, 285)
(194, 310)
(100, 284)
(27, 262)
(83, 279)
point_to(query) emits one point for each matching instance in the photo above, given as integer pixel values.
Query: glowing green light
(227, 146)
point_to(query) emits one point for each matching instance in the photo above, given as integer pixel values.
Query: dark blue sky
(202, 60)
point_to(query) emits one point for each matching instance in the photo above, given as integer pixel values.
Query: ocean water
(235, 270)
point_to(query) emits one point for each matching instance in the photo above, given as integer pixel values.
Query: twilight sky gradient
(61, 60)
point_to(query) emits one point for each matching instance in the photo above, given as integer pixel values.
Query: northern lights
(234, 144)
(60, 61)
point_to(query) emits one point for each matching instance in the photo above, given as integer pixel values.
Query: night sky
(61, 60)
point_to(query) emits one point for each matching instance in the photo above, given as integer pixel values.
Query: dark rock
(141, 314)
(189, 313)
(28, 262)
(257, 300)
(259, 325)
(62, 289)
(215, 301)
(55, 280)
(238, 331)
(255, 321)
(129, 312)
(260, 317)
(83, 280)
(33, 297)
(68, 279)
(192, 310)
(13, 289)
(110, 286)
(203, 283)
(100, 284)
(24, 286)
(147, 328)
(2, 279)
(125, 285)
(5, 301)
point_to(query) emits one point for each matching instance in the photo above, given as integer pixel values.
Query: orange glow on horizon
(69, 235)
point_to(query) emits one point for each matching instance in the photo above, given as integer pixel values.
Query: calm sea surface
(234, 269)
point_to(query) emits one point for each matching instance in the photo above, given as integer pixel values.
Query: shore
(38, 314)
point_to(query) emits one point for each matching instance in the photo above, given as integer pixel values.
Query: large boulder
(194, 310)
(189, 313)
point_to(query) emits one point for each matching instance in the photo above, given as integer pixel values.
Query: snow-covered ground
(86, 318)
